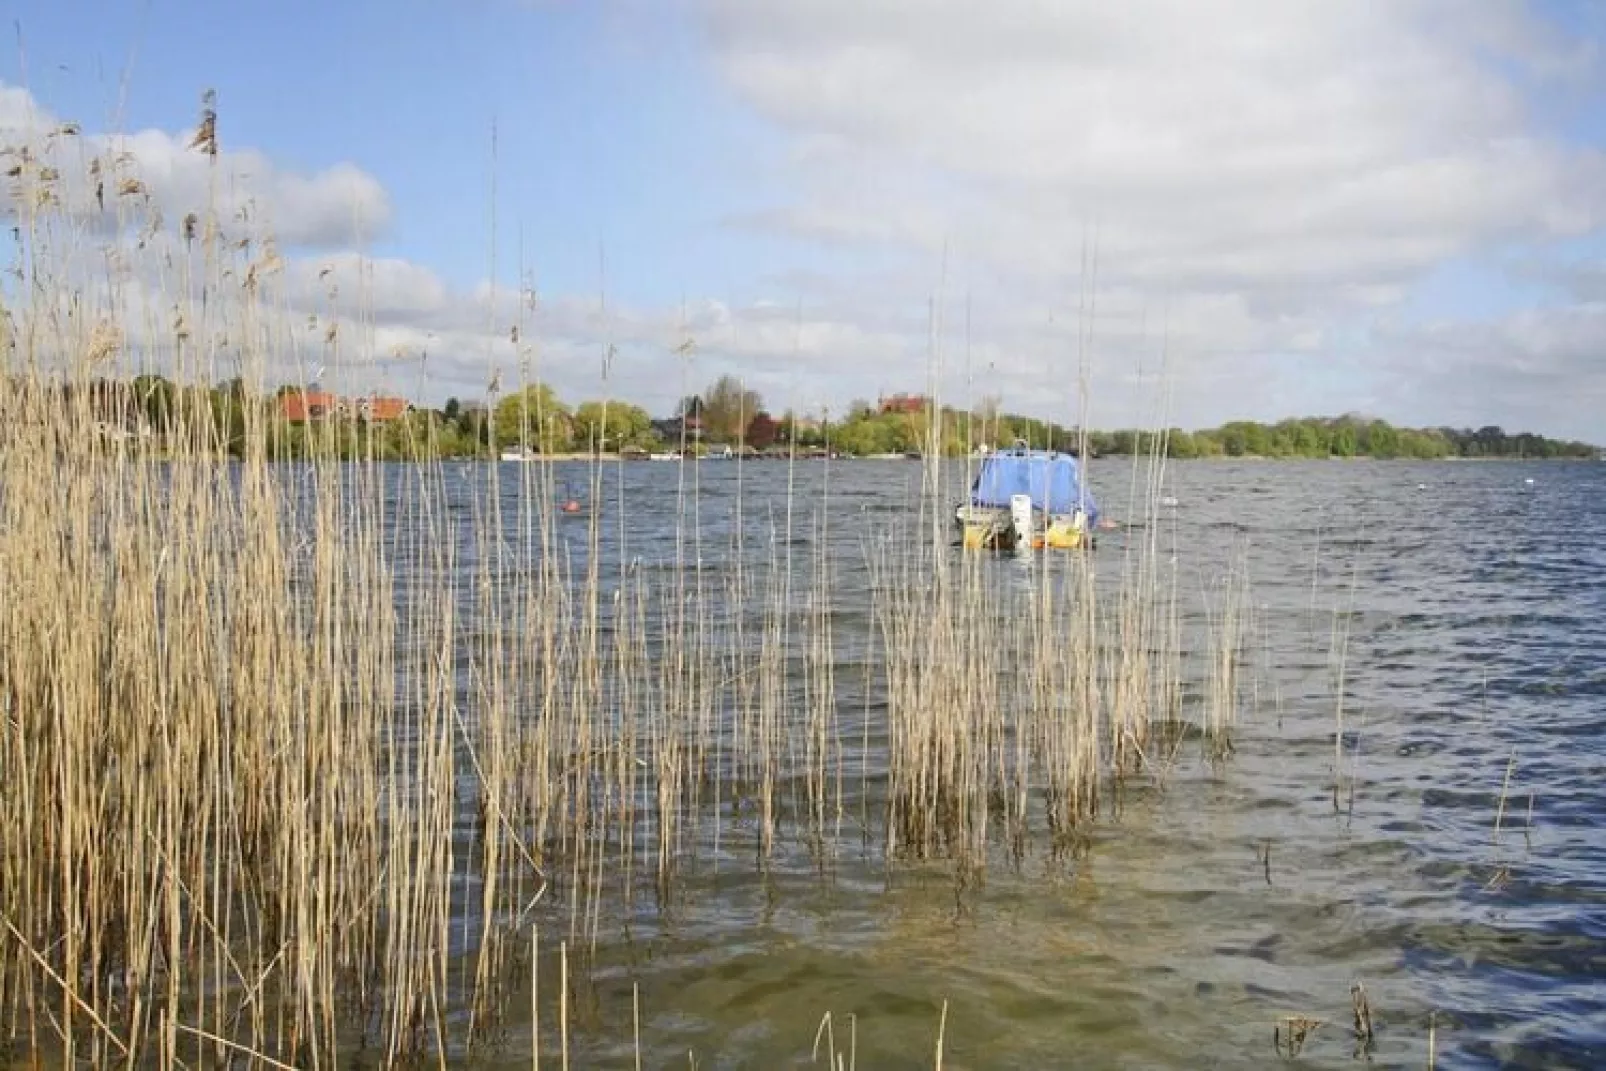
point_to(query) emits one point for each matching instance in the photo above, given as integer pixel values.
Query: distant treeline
(1319, 437)
(153, 409)
(867, 431)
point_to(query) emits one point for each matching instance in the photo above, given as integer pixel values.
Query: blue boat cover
(1052, 479)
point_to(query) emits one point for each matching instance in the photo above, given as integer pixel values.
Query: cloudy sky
(1213, 208)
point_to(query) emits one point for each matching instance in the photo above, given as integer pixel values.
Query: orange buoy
(571, 506)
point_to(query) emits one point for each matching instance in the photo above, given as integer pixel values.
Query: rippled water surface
(1462, 606)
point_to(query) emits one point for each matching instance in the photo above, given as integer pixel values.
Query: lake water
(1468, 603)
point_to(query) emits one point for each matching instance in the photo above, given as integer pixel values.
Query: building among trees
(907, 404)
(301, 406)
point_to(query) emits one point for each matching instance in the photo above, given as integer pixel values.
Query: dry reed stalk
(1505, 791)
(301, 750)
(1229, 626)
(1339, 650)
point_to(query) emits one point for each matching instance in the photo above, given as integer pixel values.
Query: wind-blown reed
(302, 757)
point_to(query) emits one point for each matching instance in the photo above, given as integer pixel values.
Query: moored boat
(1028, 499)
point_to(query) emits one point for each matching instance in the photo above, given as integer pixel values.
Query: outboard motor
(1020, 515)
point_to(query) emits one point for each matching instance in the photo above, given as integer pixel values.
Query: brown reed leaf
(104, 342)
(205, 138)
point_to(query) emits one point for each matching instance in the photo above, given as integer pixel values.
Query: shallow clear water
(1469, 607)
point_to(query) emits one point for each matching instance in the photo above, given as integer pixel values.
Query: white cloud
(336, 207)
(1270, 173)
(1542, 368)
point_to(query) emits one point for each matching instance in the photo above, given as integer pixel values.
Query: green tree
(228, 419)
(727, 408)
(1257, 440)
(786, 428)
(1310, 440)
(474, 428)
(533, 417)
(1181, 444)
(884, 433)
(156, 396)
(613, 425)
(1382, 440)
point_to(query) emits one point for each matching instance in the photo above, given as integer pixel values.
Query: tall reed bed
(305, 758)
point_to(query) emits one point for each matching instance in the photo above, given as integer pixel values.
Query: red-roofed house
(300, 406)
(380, 409)
(904, 403)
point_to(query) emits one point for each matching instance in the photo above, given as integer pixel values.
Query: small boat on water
(521, 454)
(671, 455)
(1029, 499)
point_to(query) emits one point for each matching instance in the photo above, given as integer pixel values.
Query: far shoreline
(613, 457)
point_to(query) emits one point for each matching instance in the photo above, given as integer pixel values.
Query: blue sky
(601, 139)
(1317, 208)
